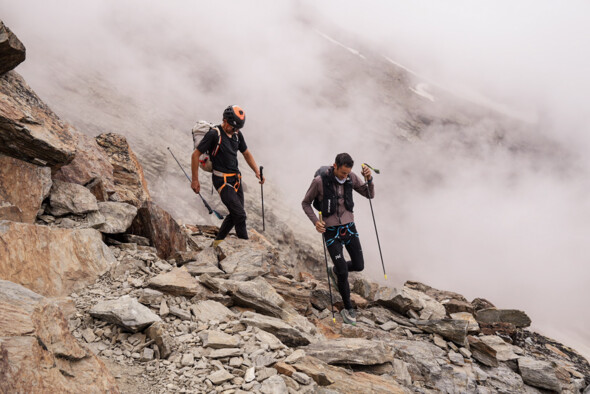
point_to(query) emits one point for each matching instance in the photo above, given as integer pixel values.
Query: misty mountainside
(355, 98)
(103, 290)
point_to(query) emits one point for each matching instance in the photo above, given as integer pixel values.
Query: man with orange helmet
(226, 175)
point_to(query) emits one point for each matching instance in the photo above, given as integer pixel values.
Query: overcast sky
(509, 229)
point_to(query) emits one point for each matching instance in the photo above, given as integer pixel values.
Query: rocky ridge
(244, 328)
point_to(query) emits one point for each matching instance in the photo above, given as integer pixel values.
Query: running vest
(329, 204)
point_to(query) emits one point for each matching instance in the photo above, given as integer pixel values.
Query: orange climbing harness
(236, 185)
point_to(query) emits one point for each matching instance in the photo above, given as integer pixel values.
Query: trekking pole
(211, 210)
(328, 273)
(375, 223)
(262, 195)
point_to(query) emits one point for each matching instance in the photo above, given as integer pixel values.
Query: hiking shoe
(349, 316)
(216, 243)
(333, 276)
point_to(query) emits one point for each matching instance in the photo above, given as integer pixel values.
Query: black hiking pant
(234, 201)
(337, 238)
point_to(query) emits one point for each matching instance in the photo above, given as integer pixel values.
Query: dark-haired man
(331, 193)
(226, 175)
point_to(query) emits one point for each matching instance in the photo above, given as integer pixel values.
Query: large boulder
(24, 186)
(39, 354)
(90, 164)
(118, 216)
(405, 299)
(29, 130)
(67, 198)
(12, 51)
(51, 261)
(160, 227)
(130, 184)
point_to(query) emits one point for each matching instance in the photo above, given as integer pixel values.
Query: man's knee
(239, 217)
(358, 264)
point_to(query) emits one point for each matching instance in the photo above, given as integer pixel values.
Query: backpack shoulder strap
(214, 153)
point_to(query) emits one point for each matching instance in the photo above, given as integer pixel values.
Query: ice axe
(211, 210)
(372, 214)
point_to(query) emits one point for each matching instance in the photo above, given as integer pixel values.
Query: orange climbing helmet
(235, 116)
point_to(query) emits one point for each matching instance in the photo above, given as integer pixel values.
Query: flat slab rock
(356, 351)
(492, 315)
(289, 335)
(126, 312)
(178, 282)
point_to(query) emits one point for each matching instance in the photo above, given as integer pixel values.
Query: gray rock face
(66, 198)
(160, 228)
(37, 347)
(23, 185)
(129, 181)
(538, 374)
(52, 261)
(118, 216)
(29, 130)
(126, 312)
(90, 168)
(12, 51)
(356, 351)
(492, 315)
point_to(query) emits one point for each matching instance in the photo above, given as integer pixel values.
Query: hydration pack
(329, 204)
(201, 128)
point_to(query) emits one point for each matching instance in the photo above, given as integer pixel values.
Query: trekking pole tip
(334, 319)
(385, 276)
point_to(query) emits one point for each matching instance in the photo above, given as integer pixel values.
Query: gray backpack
(201, 128)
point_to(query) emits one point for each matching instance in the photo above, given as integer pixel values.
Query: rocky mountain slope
(102, 290)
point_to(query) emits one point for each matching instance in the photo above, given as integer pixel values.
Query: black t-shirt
(226, 160)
